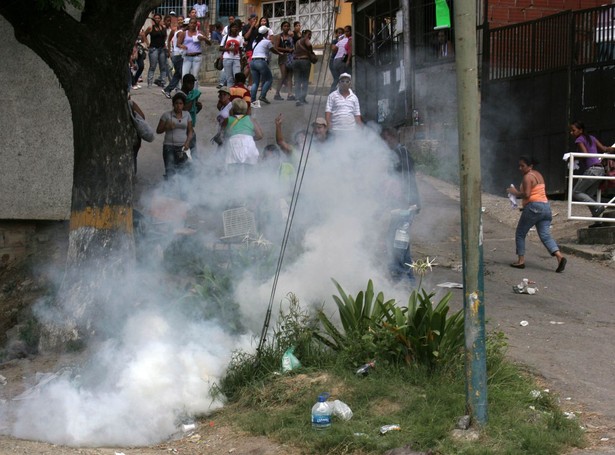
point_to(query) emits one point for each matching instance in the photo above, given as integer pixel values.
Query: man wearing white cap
(343, 112)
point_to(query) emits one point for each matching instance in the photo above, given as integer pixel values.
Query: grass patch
(418, 382)
(426, 404)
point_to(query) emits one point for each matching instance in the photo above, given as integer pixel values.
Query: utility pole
(471, 213)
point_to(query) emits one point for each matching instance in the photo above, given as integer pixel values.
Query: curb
(587, 251)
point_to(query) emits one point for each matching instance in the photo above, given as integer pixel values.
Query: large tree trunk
(90, 58)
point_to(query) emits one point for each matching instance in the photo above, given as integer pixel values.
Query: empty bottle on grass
(321, 413)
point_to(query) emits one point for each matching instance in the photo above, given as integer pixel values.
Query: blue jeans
(398, 257)
(260, 69)
(178, 61)
(157, 56)
(535, 214)
(232, 66)
(192, 65)
(301, 70)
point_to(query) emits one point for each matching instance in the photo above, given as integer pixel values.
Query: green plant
(424, 333)
(419, 333)
(212, 298)
(359, 315)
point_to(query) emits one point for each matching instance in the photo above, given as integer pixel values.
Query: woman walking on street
(284, 45)
(536, 212)
(302, 66)
(259, 66)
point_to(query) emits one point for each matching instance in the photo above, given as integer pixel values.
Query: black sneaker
(277, 97)
(264, 100)
(165, 93)
(298, 103)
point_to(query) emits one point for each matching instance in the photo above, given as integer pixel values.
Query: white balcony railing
(572, 180)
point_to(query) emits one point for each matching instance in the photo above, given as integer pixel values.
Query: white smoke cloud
(158, 362)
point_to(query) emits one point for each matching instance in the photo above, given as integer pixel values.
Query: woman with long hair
(536, 212)
(176, 125)
(285, 47)
(157, 50)
(232, 46)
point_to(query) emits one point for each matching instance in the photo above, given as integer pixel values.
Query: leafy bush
(419, 333)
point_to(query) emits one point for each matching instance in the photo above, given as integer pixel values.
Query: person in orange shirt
(536, 212)
(239, 90)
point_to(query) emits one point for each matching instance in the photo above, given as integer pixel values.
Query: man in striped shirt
(343, 112)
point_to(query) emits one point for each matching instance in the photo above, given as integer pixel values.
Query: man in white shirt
(202, 14)
(343, 113)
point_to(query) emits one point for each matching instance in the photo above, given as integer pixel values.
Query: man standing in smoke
(404, 198)
(343, 112)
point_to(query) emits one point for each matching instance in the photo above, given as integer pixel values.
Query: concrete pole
(468, 97)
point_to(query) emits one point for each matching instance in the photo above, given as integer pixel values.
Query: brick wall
(506, 12)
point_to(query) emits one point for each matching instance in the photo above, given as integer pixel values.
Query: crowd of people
(246, 50)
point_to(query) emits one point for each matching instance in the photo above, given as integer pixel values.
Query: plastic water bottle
(321, 413)
(402, 237)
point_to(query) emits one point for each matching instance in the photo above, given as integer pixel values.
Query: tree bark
(90, 58)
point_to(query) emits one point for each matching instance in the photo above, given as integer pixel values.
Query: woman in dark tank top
(157, 51)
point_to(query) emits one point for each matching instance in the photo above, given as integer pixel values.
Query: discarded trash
(364, 370)
(556, 322)
(321, 413)
(604, 439)
(386, 428)
(523, 287)
(359, 434)
(570, 415)
(119, 453)
(451, 285)
(535, 394)
(341, 410)
(533, 408)
(289, 361)
(188, 427)
(3, 380)
(524, 323)
(463, 423)
(457, 267)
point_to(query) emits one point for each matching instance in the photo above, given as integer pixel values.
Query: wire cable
(302, 166)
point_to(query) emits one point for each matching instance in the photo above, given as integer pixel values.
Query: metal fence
(606, 182)
(570, 38)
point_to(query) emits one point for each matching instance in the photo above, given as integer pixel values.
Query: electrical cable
(302, 166)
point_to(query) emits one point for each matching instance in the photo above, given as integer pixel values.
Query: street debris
(364, 369)
(341, 410)
(188, 427)
(386, 428)
(3, 380)
(289, 361)
(570, 415)
(556, 322)
(450, 285)
(524, 288)
(463, 423)
(524, 323)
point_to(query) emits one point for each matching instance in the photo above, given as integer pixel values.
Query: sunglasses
(345, 81)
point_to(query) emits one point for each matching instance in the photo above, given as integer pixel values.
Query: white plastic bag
(341, 410)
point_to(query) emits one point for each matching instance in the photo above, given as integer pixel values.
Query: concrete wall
(36, 136)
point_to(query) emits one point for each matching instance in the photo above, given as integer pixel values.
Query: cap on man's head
(172, 13)
(345, 75)
(186, 21)
(253, 16)
(263, 30)
(224, 90)
(319, 121)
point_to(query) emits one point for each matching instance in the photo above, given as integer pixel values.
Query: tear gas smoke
(157, 363)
